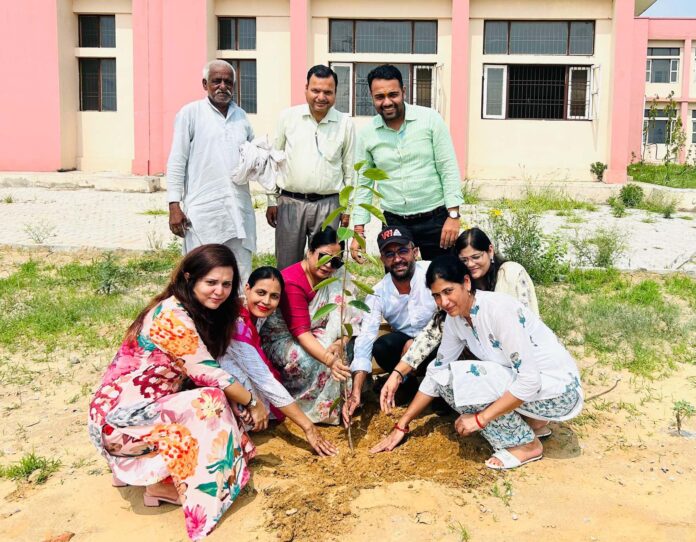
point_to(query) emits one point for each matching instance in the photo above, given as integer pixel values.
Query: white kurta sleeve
(179, 156)
(450, 348)
(369, 329)
(244, 357)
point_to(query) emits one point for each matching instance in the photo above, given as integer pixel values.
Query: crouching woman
(185, 446)
(525, 378)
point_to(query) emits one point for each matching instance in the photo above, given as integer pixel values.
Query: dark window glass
(579, 93)
(363, 98)
(247, 34)
(383, 37)
(227, 35)
(341, 37)
(343, 89)
(657, 132)
(660, 70)
(424, 85)
(538, 38)
(536, 92)
(660, 113)
(495, 41)
(663, 51)
(425, 37)
(97, 84)
(97, 30)
(581, 38)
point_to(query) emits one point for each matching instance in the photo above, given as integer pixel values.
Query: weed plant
(547, 199)
(600, 249)
(27, 465)
(631, 195)
(672, 175)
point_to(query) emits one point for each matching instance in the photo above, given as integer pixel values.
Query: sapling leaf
(378, 194)
(348, 293)
(325, 283)
(374, 211)
(332, 216)
(364, 287)
(344, 196)
(373, 260)
(324, 260)
(361, 241)
(344, 233)
(375, 174)
(326, 309)
(349, 329)
(359, 305)
(335, 404)
(359, 165)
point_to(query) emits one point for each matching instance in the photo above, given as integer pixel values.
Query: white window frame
(673, 68)
(596, 84)
(588, 96)
(351, 83)
(486, 69)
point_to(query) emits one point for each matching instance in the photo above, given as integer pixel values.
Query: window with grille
(244, 93)
(693, 126)
(353, 93)
(238, 34)
(97, 30)
(656, 131)
(97, 84)
(537, 91)
(539, 37)
(662, 65)
(368, 36)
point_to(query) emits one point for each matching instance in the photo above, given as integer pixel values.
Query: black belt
(419, 216)
(308, 197)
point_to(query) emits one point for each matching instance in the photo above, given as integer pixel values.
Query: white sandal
(508, 460)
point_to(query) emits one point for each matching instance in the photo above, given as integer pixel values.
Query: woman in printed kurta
(525, 379)
(306, 351)
(489, 272)
(247, 362)
(147, 428)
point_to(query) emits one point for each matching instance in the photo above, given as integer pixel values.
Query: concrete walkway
(74, 218)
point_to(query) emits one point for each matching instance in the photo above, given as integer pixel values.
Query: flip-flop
(153, 500)
(508, 460)
(543, 432)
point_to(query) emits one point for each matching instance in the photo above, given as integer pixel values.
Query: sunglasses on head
(334, 262)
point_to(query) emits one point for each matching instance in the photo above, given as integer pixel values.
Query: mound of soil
(318, 491)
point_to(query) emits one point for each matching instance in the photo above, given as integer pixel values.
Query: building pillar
(623, 21)
(686, 79)
(300, 31)
(459, 91)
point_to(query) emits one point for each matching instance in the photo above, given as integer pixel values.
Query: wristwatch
(454, 214)
(252, 401)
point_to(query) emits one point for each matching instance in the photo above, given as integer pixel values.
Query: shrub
(631, 195)
(601, 249)
(618, 209)
(597, 169)
(519, 237)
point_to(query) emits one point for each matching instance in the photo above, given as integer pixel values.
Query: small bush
(618, 209)
(659, 202)
(519, 237)
(25, 467)
(601, 249)
(470, 194)
(631, 195)
(597, 169)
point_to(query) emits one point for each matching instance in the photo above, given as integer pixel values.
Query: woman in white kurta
(526, 379)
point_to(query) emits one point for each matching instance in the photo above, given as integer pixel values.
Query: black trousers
(426, 231)
(387, 351)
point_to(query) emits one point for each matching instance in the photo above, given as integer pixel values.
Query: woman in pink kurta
(147, 428)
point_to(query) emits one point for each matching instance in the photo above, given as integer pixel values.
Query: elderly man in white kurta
(205, 206)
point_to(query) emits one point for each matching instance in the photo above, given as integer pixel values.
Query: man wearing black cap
(402, 299)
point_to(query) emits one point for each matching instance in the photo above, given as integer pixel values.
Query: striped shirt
(419, 159)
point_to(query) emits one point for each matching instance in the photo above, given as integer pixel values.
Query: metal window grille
(536, 91)
(238, 34)
(539, 37)
(97, 84)
(382, 36)
(245, 94)
(97, 30)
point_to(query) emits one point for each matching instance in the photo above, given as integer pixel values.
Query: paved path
(117, 220)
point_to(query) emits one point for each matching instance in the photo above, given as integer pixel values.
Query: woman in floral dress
(184, 446)
(525, 378)
(306, 351)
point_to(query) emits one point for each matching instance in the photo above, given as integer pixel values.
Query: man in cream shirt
(319, 144)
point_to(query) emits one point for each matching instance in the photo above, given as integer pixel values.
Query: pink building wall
(30, 93)
(170, 44)
(459, 106)
(299, 49)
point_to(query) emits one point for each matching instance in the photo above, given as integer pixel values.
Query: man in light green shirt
(319, 144)
(413, 146)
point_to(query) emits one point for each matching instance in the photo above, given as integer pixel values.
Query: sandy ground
(619, 472)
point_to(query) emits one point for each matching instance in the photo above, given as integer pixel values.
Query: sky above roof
(672, 8)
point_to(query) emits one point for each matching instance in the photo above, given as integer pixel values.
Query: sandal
(153, 500)
(543, 432)
(508, 460)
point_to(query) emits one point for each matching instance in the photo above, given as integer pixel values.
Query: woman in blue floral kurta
(527, 379)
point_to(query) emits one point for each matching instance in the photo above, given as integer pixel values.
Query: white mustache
(220, 91)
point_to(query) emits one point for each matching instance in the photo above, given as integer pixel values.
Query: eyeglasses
(334, 262)
(402, 253)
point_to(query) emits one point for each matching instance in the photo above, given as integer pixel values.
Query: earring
(492, 260)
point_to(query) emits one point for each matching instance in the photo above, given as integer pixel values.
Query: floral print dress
(148, 429)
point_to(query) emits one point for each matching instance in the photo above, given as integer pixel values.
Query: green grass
(27, 465)
(548, 199)
(682, 286)
(154, 212)
(659, 202)
(674, 176)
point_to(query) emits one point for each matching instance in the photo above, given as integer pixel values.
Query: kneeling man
(402, 299)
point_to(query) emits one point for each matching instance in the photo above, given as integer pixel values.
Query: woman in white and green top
(490, 272)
